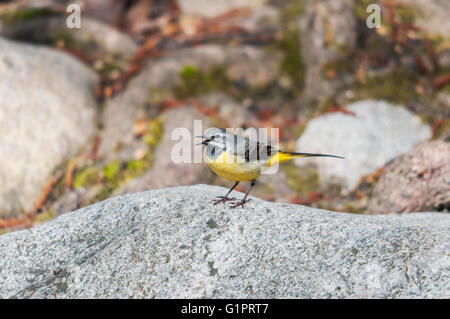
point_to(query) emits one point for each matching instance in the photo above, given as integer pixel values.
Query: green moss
(85, 177)
(291, 64)
(46, 216)
(303, 181)
(155, 132)
(350, 208)
(104, 193)
(299, 130)
(136, 166)
(397, 87)
(117, 173)
(26, 14)
(446, 88)
(196, 82)
(292, 10)
(111, 171)
(2, 231)
(289, 44)
(189, 72)
(427, 119)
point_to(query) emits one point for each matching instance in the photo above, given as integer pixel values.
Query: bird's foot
(223, 199)
(240, 203)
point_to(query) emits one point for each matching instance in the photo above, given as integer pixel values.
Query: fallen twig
(440, 81)
(47, 190)
(21, 222)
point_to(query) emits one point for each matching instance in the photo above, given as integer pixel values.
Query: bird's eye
(213, 137)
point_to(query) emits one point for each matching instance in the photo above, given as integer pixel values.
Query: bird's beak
(206, 141)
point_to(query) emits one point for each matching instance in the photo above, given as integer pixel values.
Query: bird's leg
(225, 198)
(244, 200)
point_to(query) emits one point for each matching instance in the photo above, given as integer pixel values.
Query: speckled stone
(376, 133)
(47, 114)
(173, 243)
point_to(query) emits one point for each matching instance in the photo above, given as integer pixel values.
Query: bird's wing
(264, 151)
(251, 150)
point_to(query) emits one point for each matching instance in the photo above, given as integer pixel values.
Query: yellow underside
(228, 167)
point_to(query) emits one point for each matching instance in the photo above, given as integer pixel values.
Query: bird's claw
(240, 203)
(223, 199)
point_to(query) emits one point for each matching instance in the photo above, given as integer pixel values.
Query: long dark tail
(286, 156)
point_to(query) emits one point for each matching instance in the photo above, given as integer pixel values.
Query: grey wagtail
(237, 158)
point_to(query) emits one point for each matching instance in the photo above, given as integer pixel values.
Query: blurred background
(86, 113)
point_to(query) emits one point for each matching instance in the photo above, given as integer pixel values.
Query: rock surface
(431, 16)
(94, 35)
(376, 134)
(174, 243)
(416, 181)
(55, 113)
(229, 110)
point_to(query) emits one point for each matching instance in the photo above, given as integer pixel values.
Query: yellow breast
(229, 167)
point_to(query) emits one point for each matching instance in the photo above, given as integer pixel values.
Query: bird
(240, 159)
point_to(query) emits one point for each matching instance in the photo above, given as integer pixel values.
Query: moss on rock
(24, 14)
(86, 177)
(46, 216)
(302, 181)
(196, 82)
(111, 171)
(118, 173)
(398, 86)
(291, 63)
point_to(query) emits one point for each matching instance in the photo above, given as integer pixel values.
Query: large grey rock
(47, 113)
(377, 133)
(174, 243)
(93, 35)
(431, 16)
(416, 181)
(248, 65)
